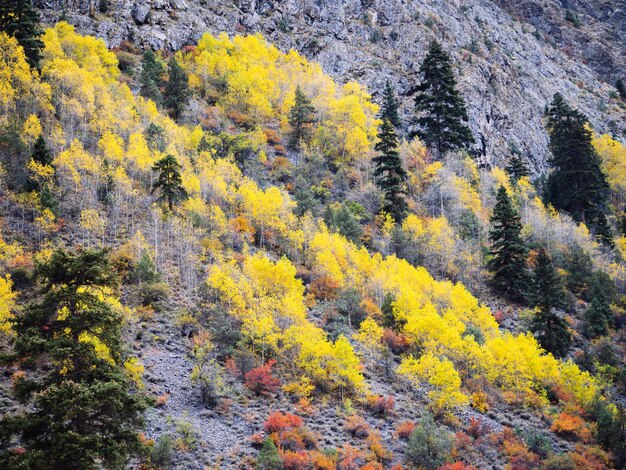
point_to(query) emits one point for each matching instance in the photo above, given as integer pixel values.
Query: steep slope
(508, 70)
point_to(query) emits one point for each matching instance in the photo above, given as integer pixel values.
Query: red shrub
(278, 421)
(476, 428)
(261, 381)
(324, 288)
(397, 342)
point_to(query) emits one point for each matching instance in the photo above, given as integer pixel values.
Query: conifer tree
(621, 89)
(441, 111)
(41, 154)
(516, 168)
(268, 458)
(596, 317)
(151, 77)
(80, 412)
(547, 294)
(603, 231)
(176, 89)
(577, 184)
(508, 250)
(169, 182)
(389, 173)
(19, 19)
(389, 108)
(301, 119)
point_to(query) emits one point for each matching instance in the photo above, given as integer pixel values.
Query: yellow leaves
(112, 147)
(92, 221)
(7, 304)
(135, 369)
(438, 374)
(77, 164)
(370, 334)
(613, 155)
(102, 350)
(31, 129)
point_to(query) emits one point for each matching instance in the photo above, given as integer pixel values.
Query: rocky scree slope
(508, 68)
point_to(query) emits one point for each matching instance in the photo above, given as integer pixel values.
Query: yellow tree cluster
(440, 317)
(247, 75)
(269, 301)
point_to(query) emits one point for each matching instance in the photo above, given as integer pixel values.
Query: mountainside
(312, 235)
(509, 66)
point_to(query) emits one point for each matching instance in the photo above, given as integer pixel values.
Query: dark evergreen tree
(19, 19)
(80, 413)
(151, 78)
(603, 231)
(389, 173)
(41, 154)
(441, 111)
(389, 108)
(344, 221)
(169, 182)
(579, 267)
(623, 224)
(177, 89)
(516, 168)
(547, 294)
(621, 89)
(301, 120)
(596, 317)
(576, 184)
(508, 251)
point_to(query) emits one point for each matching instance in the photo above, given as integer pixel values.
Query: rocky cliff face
(511, 56)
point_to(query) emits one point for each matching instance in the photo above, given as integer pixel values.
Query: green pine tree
(441, 111)
(603, 231)
(268, 458)
(343, 219)
(19, 19)
(389, 173)
(577, 184)
(508, 250)
(516, 168)
(301, 119)
(151, 78)
(596, 318)
(79, 409)
(176, 90)
(169, 182)
(547, 293)
(389, 108)
(41, 154)
(621, 89)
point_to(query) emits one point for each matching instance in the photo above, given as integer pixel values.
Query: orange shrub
(570, 425)
(278, 421)
(261, 381)
(295, 460)
(357, 427)
(405, 429)
(271, 136)
(324, 288)
(378, 450)
(397, 342)
(380, 405)
(476, 428)
(323, 462)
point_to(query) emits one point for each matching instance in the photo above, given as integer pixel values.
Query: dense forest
(221, 257)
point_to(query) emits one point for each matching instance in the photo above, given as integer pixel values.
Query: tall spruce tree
(577, 184)
(151, 78)
(19, 18)
(169, 183)
(508, 251)
(441, 111)
(547, 293)
(389, 173)
(389, 108)
(177, 89)
(516, 168)
(80, 412)
(301, 120)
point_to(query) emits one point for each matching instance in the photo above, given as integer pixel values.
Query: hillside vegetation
(156, 205)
